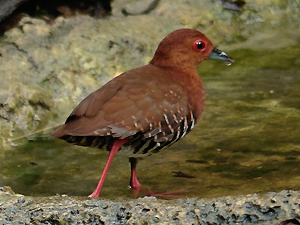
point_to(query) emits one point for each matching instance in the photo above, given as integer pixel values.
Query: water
(247, 141)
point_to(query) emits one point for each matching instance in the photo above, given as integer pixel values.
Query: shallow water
(247, 141)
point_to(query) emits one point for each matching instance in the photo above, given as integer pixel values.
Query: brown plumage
(148, 108)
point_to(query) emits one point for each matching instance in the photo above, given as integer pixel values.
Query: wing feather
(125, 106)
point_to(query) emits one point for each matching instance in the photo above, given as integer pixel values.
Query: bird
(146, 109)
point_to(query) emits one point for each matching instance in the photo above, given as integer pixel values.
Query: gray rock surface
(271, 208)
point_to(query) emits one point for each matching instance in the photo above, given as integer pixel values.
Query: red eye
(199, 46)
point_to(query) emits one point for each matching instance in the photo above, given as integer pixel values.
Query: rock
(271, 208)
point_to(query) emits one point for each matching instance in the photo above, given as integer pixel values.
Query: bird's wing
(126, 105)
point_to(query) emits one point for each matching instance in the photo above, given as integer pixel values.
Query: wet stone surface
(271, 208)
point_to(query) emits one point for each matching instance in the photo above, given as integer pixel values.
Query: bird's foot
(170, 194)
(136, 186)
(95, 194)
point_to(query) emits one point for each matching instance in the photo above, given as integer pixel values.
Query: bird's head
(185, 49)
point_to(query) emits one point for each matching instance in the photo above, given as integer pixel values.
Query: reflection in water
(247, 141)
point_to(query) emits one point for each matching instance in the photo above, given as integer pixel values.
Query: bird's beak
(219, 55)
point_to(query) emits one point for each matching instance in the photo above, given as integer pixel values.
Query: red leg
(136, 186)
(134, 183)
(116, 145)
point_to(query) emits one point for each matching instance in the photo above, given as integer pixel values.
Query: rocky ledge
(271, 208)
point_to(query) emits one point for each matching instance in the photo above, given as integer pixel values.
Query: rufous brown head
(185, 49)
